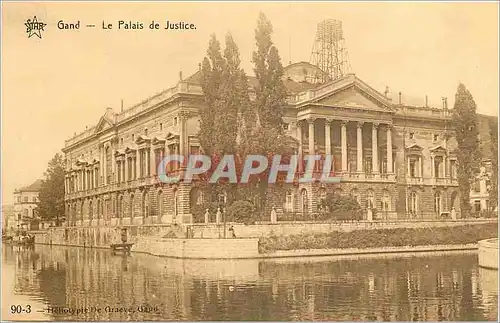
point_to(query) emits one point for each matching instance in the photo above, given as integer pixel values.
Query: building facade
(25, 204)
(480, 194)
(394, 158)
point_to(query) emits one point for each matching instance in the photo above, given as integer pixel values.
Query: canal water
(62, 283)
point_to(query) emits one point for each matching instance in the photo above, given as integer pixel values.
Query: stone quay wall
(488, 253)
(295, 228)
(207, 240)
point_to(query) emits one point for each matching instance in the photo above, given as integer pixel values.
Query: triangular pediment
(142, 139)
(438, 149)
(103, 124)
(351, 93)
(157, 141)
(130, 150)
(171, 135)
(414, 149)
(120, 152)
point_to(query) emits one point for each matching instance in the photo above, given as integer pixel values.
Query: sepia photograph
(249, 161)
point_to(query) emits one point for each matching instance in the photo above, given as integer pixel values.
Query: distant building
(25, 204)
(479, 195)
(7, 215)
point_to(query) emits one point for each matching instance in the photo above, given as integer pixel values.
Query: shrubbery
(381, 238)
(340, 208)
(242, 212)
(198, 211)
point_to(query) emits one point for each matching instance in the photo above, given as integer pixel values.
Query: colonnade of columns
(343, 140)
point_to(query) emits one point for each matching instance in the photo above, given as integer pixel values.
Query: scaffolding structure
(329, 52)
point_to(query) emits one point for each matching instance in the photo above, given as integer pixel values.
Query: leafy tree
(51, 197)
(466, 132)
(225, 88)
(271, 93)
(241, 211)
(493, 189)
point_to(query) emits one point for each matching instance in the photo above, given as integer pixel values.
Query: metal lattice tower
(329, 52)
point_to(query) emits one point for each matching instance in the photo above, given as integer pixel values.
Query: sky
(57, 85)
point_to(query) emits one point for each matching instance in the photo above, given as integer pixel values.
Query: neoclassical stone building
(395, 158)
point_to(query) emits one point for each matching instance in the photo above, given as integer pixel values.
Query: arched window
(176, 205)
(119, 207)
(91, 210)
(122, 207)
(159, 203)
(413, 203)
(304, 201)
(322, 193)
(195, 197)
(437, 203)
(288, 201)
(355, 195)
(386, 201)
(370, 199)
(99, 211)
(222, 198)
(145, 204)
(132, 213)
(453, 200)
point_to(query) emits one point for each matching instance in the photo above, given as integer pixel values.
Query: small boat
(26, 240)
(7, 238)
(125, 247)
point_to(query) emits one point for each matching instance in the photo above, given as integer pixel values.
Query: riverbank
(362, 241)
(381, 238)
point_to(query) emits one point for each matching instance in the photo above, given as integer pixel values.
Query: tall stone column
(301, 148)
(445, 167)
(375, 148)
(103, 166)
(137, 165)
(328, 136)
(432, 167)
(343, 135)
(389, 149)
(183, 116)
(152, 161)
(114, 175)
(311, 136)
(359, 147)
(124, 170)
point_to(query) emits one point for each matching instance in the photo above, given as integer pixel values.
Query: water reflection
(416, 288)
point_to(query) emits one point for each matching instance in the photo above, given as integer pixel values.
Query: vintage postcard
(249, 161)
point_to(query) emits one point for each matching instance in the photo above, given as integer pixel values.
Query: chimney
(426, 102)
(199, 66)
(386, 91)
(122, 106)
(399, 97)
(180, 76)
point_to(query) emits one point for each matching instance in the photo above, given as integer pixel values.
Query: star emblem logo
(34, 27)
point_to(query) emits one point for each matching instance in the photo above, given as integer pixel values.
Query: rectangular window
(477, 206)
(453, 168)
(412, 135)
(25, 199)
(413, 168)
(437, 167)
(477, 186)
